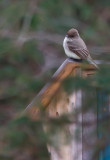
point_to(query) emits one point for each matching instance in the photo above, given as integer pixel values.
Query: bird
(75, 47)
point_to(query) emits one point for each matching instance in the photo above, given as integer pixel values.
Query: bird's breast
(67, 50)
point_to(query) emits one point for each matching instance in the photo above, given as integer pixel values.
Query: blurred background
(31, 37)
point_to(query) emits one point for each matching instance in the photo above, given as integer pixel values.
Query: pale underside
(67, 50)
(77, 49)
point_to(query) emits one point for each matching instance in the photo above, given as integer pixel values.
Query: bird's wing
(79, 49)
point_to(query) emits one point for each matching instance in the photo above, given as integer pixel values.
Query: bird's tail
(92, 62)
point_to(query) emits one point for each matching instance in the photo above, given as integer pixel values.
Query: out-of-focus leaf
(5, 46)
(30, 49)
(34, 21)
(70, 84)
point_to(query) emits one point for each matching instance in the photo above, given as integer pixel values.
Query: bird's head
(72, 33)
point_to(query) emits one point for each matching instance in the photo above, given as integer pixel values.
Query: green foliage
(31, 52)
(24, 138)
(71, 84)
(103, 78)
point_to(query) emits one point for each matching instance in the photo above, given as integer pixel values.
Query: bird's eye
(72, 36)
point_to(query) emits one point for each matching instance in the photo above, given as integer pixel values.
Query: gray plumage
(75, 47)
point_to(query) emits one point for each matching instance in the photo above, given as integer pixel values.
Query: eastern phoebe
(75, 47)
